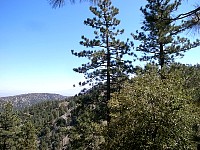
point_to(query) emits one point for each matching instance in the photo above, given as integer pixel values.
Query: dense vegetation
(50, 121)
(158, 108)
(46, 122)
(148, 113)
(16, 133)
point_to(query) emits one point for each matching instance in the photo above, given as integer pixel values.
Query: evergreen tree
(160, 40)
(107, 63)
(14, 133)
(28, 135)
(86, 121)
(106, 71)
(9, 128)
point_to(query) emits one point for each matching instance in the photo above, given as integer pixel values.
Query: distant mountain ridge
(24, 100)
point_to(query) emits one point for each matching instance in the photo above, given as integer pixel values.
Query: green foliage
(28, 136)
(150, 113)
(9, 127)
(87, 117)
(48, 119)
(61, 122)
(105, 71)
(43, 113)
(160, 40)
(191, 75)
(86, 134)
(107, 53)
(15, 134)
(146, 112)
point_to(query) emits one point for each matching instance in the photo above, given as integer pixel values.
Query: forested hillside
(50, 119)
(25, 100)
(127, 107)
(141, 118)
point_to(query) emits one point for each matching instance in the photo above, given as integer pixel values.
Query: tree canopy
(150, 113)
(160, 39)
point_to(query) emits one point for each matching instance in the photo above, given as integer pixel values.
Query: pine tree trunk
(108, 76)
(162, 58)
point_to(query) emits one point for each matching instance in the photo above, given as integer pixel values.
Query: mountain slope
(24, 100)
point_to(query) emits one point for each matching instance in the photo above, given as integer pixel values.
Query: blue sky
(36, 43)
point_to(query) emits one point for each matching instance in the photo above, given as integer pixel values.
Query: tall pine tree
(160, 40)
(107, 64)
(107, 68)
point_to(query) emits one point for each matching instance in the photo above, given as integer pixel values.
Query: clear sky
(36, 43)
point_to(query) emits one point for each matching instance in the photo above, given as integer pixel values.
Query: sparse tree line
(158, 108)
